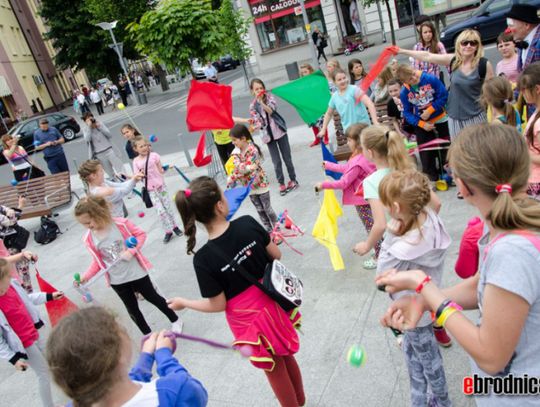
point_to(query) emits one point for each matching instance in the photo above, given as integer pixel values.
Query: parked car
(225, 63)
(489, 20)
(66, 125)
(198, 69)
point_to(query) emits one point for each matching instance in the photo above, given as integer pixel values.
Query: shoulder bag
(144, 191)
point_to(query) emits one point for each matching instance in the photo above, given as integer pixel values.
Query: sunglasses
(472, 43)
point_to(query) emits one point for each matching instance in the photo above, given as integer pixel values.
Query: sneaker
(442, 337)
(178, 232)
(292, 185)
(370, 264)
(168, 237)
(177, 326)
(282, 190)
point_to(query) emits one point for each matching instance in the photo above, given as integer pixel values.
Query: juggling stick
(277, 233)
(179, 171)
(122, 107)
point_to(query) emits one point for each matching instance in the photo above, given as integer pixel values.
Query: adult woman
(468, 70)
(490, 164)
(428, 42)
(23, 166)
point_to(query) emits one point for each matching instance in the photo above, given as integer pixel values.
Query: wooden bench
(42, 194)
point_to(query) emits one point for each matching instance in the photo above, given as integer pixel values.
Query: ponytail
(510, 113)
(397, 156)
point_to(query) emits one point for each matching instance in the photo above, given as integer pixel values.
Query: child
(223, 143)
(380, 92)
(497, 94)
(394, 109)
(129, 132)
(305, 70)
(344, 102)
(416, 239)
(155, 184)
(356, 71)
(529, 84)
(94, 339)
(92, 173)
(507, 66)
(354, 173)
(127, 268)
(20, 341)
(490, 164)
(247, 166)
(428, 42)
(254, 318)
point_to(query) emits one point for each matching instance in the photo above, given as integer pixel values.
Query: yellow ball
(121, 106)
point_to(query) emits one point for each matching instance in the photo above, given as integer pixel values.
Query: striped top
(19, 159)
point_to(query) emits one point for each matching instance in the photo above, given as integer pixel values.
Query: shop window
(404, 12)
(278, 24)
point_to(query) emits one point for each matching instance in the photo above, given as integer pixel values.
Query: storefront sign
(262, 9)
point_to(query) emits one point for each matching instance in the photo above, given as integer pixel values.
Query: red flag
(200, 159)
(57, 309)
(209, 106)
(377, 67)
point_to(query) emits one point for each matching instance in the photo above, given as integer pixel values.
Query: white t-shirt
(210, 72)
(147, 396)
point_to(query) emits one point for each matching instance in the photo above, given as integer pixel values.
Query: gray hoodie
(423, 249)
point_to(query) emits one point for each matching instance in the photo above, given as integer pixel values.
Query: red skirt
(258, 321)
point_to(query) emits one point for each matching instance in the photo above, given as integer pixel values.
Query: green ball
(356, 356)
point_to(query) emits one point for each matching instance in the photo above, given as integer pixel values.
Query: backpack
(47, 232)
(482, 67)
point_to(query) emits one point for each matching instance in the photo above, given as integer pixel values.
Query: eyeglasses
(472, 43)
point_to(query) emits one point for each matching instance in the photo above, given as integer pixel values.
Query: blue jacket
(429, 94)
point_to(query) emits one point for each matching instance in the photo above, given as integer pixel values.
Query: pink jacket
(468, 257)
(354, 173)
(127, 229)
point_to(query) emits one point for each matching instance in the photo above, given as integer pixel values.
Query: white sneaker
(177, 326)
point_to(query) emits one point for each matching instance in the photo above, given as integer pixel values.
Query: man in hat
(524, 23)
(50, 141)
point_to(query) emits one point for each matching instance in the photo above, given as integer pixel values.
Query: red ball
(141, 214)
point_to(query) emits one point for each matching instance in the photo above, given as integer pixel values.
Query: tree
(178, 31)
(389, 11)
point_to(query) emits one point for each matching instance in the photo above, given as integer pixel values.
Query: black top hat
(525, 13)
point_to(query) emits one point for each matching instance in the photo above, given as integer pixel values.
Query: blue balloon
(37, 143)
(14, 182)
(165, 167)
(153, 138)
(131, 242)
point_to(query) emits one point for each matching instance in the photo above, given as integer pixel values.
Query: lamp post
(109, 27)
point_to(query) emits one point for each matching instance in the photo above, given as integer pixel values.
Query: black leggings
(126, 292)
(321, 53)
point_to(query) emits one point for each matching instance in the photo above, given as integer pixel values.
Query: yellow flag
(325, 229)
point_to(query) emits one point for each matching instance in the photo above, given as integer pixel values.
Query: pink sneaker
(282, 190)
(292, 185)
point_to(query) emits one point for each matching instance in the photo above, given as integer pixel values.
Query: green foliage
(177, 31)
(236, 27)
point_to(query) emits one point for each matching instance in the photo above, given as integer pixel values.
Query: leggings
(533, 190)
(286, 382)
(264, 209)
(37, 362)
(126, 292)
(162, 204)
(364, 212)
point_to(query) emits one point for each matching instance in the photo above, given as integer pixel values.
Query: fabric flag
(308, 95)
(235, 197)
(57, 309)
(200, 160)
(209, 106)
(377, 68)
(325, 229)
(328, 156)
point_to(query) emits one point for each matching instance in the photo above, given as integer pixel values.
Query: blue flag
(235, 197)
(328, 156)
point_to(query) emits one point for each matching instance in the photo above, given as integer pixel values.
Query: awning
(4, 87)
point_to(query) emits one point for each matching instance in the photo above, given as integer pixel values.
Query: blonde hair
(96, 207)
(334, 62)
(5, 139)
(411, 190)
(4, 269)
(497, 92)
(485, 156)
(387, 144)
(468, 35)
(404, 72)
(308, 67)
(386, 75)
(88, 168)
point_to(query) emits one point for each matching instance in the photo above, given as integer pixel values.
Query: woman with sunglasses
(468, 70)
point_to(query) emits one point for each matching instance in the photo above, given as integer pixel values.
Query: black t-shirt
(244, 242)
(393, 110)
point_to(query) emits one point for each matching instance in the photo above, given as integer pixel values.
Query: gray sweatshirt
(121, 190)
(97, 139)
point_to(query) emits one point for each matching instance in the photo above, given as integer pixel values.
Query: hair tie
(187, 192)
(503, 188)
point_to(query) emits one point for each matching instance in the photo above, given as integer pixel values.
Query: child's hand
(321, 133)
(79, 283)
(21, 365)
(176, 303)
(126, 255)
(324, 165)
(22, 202)
(164, 341)
(425, 115)
(318, 186)
(361, 248)
(149, 346)
(57, 295)
(29, 256)
(429, 126)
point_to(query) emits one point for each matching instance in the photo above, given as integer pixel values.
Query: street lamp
(117, 47)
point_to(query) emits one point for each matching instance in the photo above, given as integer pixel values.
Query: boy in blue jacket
(424, 97)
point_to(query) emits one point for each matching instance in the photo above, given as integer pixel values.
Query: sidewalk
(340, 309)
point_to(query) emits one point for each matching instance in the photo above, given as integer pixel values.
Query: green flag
(308, 95)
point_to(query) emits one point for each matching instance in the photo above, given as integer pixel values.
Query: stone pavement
(341, 308)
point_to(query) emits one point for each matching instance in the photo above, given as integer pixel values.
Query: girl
(253, 317)
(247, 158)
(497, 94)
(380, 93)
(428, 42)
(529, 84)
(149, 164)
(94, 339)
(331, 66)
(23, 166)
(20, 341)
(386, 150)
(92, 173)
(507, 66)
(129, 132)
(490, 165)
(307, 69)
(344, 102)
(416, 238)
(127, 268)
(356, 71)
(354, 173)
(263, 112)
(469, 68)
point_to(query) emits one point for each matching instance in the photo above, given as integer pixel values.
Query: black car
(225, 63)
(489, 20)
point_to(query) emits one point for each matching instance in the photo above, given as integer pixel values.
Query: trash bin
(292, 71)
(141, 97)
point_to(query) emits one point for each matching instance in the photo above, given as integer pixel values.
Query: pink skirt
(258, 321)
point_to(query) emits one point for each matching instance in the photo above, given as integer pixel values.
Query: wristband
(422, 284)
(444, 316)
(441, 308)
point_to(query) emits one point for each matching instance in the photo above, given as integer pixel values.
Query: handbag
(145, 195)
(278, 282)
(16, 238)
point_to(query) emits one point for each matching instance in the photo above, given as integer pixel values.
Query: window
(30, 127)
(279, 23)
(498, 5)
(404, 13)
